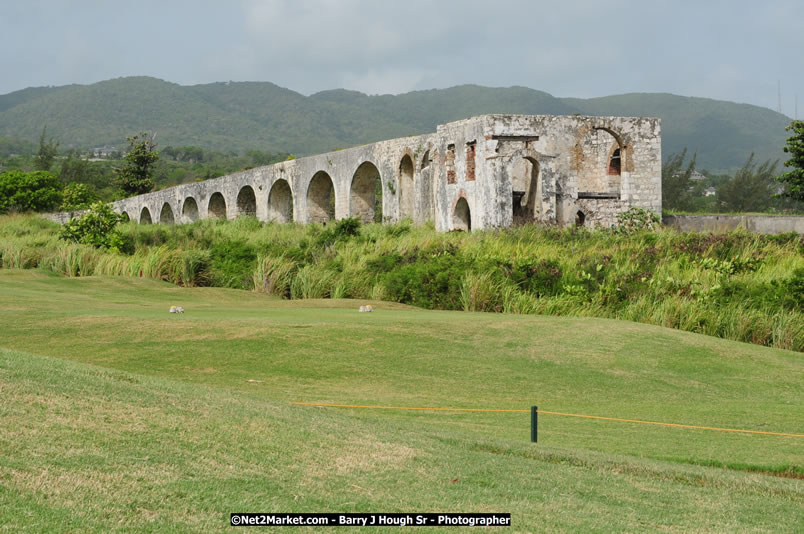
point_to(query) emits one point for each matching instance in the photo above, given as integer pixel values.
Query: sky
(729, 50)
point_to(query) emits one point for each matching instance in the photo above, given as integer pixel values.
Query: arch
(145, 216)
(462, 216)
(602, 157)
(426, 187)
(280, 202)
(125, 216)
(406, 191)
(527, 190)
(320, 198)
(580, 218)
(166, 215)
(617, 137)
(615, 163)
(246, 202)
(365, 196)
(217, 207)
(425, 160)
(189, 210)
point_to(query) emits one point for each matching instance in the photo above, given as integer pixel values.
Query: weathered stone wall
(484, 172)
(759, 224)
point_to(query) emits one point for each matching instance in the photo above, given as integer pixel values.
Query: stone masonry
(489, 171)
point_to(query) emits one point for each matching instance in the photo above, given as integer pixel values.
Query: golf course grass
(117, 415)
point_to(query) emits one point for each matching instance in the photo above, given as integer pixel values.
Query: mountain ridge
(237, 116)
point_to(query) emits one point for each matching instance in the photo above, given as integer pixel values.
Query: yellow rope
(550, 413)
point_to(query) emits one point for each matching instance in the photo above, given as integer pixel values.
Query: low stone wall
(63, 216)
(758, 224)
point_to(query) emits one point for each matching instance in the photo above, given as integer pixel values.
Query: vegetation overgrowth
(737, 286)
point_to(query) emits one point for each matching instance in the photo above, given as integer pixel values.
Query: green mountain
(245, 115)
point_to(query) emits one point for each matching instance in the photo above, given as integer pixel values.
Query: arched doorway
(406, 188)
(166, 215)
(145, 216)
(527, 191)
(426, 177)
(461, 216)
(365, 196)
(217, 207)
(189, 210)
(320, 198)
(246, 202)
(280, 202)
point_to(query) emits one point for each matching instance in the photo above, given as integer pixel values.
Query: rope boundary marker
(564, 414)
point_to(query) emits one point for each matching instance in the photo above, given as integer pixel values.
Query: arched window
(614, 163)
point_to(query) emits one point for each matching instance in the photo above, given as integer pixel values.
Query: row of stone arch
(365, 199)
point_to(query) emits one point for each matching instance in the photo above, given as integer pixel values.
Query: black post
(534, 423)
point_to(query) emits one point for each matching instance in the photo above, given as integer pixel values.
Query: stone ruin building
(490, 171)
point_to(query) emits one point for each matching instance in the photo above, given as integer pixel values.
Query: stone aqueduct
(484, 172)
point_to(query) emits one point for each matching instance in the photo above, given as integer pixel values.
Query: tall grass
(737, 286)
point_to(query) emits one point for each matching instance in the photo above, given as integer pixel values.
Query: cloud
(580, 48)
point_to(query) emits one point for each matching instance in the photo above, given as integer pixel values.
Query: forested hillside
(260, 115)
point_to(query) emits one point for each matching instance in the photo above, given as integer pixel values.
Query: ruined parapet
(489, 171)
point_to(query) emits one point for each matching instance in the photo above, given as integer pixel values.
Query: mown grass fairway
(182, 419)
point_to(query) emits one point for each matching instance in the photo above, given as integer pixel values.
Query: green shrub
(434, 281)
(232, 264)
(342, 231)
(76, 196)
(98, 228)
(29, 191)
(540, 277)
(793, 290)
(637, 220)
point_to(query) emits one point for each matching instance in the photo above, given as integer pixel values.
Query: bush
(433, 281)
(541, 277)
(637, 220)
(29, 191)
(342, 231)
(97, 228)
(76, 196)
(233, 264)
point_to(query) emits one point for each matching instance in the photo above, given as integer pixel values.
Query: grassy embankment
(736, 286)
(150, 421)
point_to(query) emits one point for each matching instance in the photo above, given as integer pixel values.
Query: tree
(751, 189)
(98, 228)
(794, 179)
(44, 159)
(135, 177)
(677, 182)
(29, 191)
(74, 169)
(76, 196)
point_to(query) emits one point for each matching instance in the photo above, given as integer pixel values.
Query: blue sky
(730, 50)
